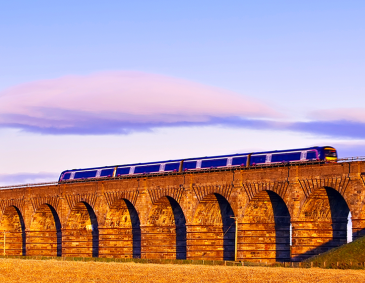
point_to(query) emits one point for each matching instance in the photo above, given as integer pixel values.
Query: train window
(172, 166)
(189, 165)
(258, 159)
(66, 176)
(278, 157)
(239, 161)
(330, 152)
(147, 169)
(214, 163)
(294, 156)
(107, 172)
(122, 171)
(286, 157)
(85, 174)
(311, 155)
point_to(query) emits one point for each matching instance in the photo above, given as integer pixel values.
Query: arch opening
(81, 235)
(121, 234)
(12, 224)
(44, 236)
(212, 234)
(322, 224)
(164, 236)
(349, 228)
(264, 234)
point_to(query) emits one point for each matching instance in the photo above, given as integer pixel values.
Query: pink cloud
(119, 99)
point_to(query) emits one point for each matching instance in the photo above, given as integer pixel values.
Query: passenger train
(317, 153)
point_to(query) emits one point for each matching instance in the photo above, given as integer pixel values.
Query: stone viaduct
(188, 215)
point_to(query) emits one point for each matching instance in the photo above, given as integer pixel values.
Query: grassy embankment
(351, 255)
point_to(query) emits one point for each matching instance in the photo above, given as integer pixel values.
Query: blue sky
(232, 77)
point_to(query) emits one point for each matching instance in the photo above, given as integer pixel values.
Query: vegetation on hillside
(351, 255)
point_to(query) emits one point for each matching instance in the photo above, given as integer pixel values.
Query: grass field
(17, 270)
(350, 255)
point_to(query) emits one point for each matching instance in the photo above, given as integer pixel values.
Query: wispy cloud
(125, 102)
(347, 114)
(337, 128)
(340, 122)
(121, 102)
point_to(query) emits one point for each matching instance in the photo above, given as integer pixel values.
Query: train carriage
(317, 153)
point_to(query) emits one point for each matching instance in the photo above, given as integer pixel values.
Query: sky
(98, 83)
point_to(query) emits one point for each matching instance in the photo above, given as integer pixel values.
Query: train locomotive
(317, 153)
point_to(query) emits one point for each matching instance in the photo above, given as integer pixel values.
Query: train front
(330, 154)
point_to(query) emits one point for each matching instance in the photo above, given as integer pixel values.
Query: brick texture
(189, 215)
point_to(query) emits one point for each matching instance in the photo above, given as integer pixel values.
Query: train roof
(195, 158)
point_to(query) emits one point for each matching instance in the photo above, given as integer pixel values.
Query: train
(316, 153)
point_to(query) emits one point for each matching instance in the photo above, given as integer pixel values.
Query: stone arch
(12, 224)
(81, 234)
(253, 188)
(223, 189)
(321, 225)
(337, 183)
(121, 234)
(164, 235)
(44, 236)
(264, 234)
(212, 233)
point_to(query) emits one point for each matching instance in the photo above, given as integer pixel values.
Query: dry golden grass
(15, 270)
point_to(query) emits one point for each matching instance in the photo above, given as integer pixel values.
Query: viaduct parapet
(188, 215)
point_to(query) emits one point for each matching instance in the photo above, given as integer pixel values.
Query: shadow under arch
(282, 227)
(180, 223)
(81, 228)
(45, 233)
(229, 227)
(339, 210)
(58, 229)
(121, 234)
(212, 235)
(266, 229)
(13, 223)
(136, 229)
(323, 220)
(24, 238)
(165, 232)
(94, 230)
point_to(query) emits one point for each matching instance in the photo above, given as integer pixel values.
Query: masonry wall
(190, 215)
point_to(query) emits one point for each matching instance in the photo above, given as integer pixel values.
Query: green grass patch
(351, 255)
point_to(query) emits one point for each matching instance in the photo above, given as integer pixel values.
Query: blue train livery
(317, 153)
